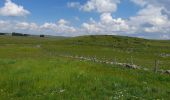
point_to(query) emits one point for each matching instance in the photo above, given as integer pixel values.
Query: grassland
(144, 52)
(30, 68)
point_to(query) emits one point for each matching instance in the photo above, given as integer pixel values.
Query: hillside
(144, 52)
(42, 68)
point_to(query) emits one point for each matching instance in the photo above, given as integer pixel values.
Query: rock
(145, 69)
(81, 57)
(167, 71)
(132, 66)
(111, 63)
(165, 55)
(107, 62)
(61, 91)
(121, 64)
(161, 71)
(38, 46)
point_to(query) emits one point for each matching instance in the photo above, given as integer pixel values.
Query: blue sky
(139, 18)
(51, 10)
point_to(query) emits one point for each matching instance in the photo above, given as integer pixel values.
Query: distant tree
(42, 35)
(17, 34)
(2, 33)
(25, 34)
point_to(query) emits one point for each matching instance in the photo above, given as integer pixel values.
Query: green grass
(30, 68)
(144, 52)
(61, 78)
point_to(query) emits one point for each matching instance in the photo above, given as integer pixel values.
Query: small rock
(145, 69)
(132, 66)
(161, 71)
(167, 71)
(61, 91)
(111, 63)
(38, 46)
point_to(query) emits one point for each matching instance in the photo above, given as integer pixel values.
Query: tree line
(20, 34)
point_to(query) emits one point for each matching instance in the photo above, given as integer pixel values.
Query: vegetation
(143, 52)
(32, 68)
(2, 33)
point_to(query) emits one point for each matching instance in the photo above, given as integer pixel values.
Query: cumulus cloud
(12, 9)
(150, 19)
(117, 24)
(101, 6)
(59, 28)
(4, 25)
(91, 28)
(26, 26)
(106, 25)
(63, 22)
(73, 4)
(165, 36)
(158, 3)
(140, 2)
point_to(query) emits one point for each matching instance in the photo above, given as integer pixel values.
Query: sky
(139, 18)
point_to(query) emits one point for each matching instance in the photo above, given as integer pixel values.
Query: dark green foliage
(26, 35)
(17, 34)
(42, 35)
(2, 33)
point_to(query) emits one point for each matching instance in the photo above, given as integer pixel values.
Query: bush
(2, 33)
(42, 35)
(17, 34)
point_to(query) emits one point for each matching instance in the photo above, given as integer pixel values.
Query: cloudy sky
(140, 18)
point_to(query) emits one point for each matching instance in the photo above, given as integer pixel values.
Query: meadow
(33, 68)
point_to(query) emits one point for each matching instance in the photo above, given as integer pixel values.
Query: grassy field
(144, 52)
(31, 68)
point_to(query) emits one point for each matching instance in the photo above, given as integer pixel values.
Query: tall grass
(30, 68)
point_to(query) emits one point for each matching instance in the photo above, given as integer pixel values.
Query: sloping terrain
(124, 49)
(34, 68)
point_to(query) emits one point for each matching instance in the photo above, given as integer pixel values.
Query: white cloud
(140, 2)
(12, 9)
(61, 27)
(106, 18)
(48, 26)
(113, 24)
(150, 14)
(165, 36)
(73, 4)
(106, 25)
(91, 28)
(63, 22)
(4, 25)
(150, 19)
(157, 3)
(26, 26)
(101, 6)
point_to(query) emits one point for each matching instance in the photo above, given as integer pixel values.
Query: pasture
(35, 68)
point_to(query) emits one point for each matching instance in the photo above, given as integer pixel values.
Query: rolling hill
(47, 68)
